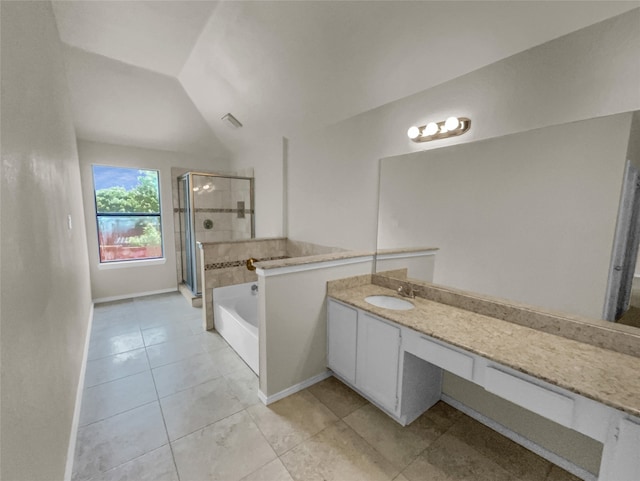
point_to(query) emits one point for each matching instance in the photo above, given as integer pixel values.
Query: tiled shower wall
(219, 204)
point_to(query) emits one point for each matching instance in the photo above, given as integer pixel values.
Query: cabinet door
(378, 355)
(342, 327)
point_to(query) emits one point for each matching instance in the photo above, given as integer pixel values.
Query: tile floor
(166, 401)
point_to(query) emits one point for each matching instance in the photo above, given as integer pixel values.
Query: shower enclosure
(212, 208)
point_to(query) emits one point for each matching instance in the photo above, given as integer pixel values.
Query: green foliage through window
(127, 213)
(143, 198)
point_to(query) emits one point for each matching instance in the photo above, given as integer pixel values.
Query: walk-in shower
(212, 208)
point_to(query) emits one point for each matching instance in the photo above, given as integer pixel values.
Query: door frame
(625, 246)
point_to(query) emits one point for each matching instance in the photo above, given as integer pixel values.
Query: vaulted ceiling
(161, 74)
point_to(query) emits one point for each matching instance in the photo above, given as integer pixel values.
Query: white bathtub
(235, 314)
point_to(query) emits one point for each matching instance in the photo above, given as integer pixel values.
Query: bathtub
(235, 314)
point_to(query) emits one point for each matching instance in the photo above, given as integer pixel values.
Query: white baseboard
(68, 472)
(130, 296)
(293, 389)
(521, 440)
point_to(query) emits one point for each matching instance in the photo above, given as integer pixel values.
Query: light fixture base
(442, 132)
(232, 121)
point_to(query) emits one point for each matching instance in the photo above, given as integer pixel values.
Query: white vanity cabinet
(400, 370)
(366, 353)
(342, 328)
(378, 358)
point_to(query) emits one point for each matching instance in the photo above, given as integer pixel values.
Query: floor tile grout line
(98, 337)
(285, 467)
(424, 450)
(193, 334)
(204, 351)
(164, 421)
(258, 469)
(376, 450)
(142, 405)
(327, 406)
(116, 354)
(186, 388)
(118, 414)
(373, 447)
(176, 361)
(211, 424)
(333, 423)
(278, 456)
(221, 375)
(117, 379)
(122, 464)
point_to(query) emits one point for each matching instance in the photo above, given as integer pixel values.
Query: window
(127, 213)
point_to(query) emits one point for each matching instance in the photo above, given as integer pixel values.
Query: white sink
(389, 302)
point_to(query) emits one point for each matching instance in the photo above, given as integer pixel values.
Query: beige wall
(417, 267)
(333, 172)
(134, 280)
(293, 324)
(46, 297)
(264, 154)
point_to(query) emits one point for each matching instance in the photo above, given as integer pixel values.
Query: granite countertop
(603, 375)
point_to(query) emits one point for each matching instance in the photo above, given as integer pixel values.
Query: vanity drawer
(445, 357)
(535, 398)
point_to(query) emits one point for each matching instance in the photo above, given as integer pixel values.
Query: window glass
(127, 213)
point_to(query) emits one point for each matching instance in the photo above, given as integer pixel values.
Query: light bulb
(430, 129)
(413, 132)
(452, 123)
(196, 189)
(206, 186)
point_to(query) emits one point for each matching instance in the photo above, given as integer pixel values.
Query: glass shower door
(214, 208)
(186, 234)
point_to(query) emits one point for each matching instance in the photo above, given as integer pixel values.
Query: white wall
(46, 300)
(135, 279)
(333, 172)
(529, 217)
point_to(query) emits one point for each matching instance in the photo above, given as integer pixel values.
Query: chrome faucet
(406, 291)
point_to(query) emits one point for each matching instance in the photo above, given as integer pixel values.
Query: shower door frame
(192, 219)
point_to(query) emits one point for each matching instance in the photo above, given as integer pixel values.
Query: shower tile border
(239, 263)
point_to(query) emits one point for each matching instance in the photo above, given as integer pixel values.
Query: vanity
(396, 359)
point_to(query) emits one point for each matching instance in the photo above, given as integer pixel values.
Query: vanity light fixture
(451, 127)
(231, 121)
